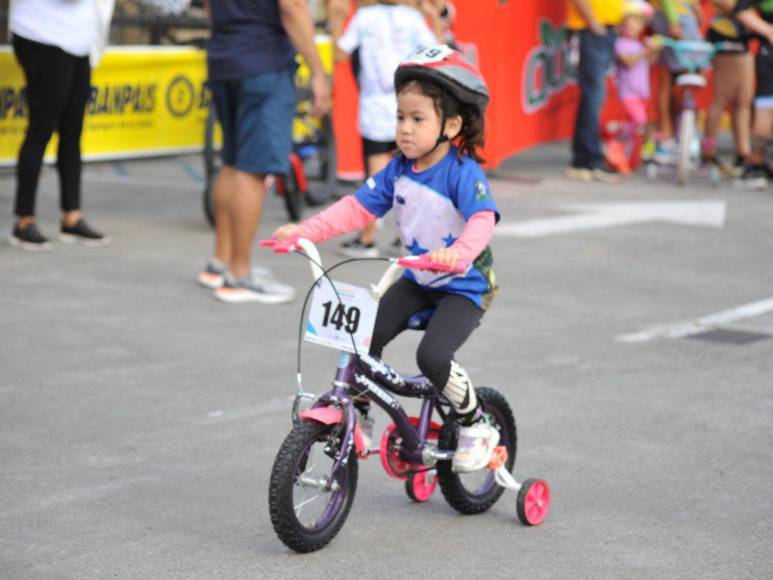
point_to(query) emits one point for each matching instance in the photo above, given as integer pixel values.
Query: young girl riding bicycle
(444, 208)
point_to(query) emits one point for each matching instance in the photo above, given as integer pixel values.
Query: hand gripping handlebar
(424, 263)
(392, 273)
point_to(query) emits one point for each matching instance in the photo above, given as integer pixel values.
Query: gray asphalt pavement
(139, 417)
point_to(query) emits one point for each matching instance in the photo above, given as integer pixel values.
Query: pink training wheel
(420, 486)
(533, 502)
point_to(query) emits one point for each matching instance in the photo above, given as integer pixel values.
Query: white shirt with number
(385, 34)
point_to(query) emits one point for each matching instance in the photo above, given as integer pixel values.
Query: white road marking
(707, 213)
(682, 329)
(269, 407)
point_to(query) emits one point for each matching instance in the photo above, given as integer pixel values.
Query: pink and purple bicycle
(314, 476)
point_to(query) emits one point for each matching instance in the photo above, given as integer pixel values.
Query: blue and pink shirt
(432, 208)
(448, 205)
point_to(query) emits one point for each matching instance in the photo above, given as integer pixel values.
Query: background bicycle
(693, 56)
(313, 161)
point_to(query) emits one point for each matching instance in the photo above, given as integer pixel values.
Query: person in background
(593, 21)
(733, 87)
(384, 33)
(251, 63)
(757, 17)
(56, 44)
(632, 58)
(680, 20)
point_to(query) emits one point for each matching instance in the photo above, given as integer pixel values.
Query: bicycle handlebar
(279, 246)
(295, 244)
(392, 273)
(424, 263)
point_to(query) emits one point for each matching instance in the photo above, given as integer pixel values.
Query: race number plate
(335, 318)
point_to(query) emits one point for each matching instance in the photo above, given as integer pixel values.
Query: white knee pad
(459, 390)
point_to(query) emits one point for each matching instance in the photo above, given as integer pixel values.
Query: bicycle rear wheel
(212, 164)
(307, 505)
(686, 134)
(288, 187)
(476, 492)
(320, 161)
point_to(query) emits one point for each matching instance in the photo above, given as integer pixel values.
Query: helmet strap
(442, 138)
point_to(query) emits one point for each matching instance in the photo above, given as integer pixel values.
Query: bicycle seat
(420, 320)
(690, 80)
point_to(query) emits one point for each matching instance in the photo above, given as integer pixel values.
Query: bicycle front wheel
(686, 134)
(308, 504)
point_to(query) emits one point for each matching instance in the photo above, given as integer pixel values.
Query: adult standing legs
(595, 59)
(256, 116)
(245, 209)
(58, 86)
(69, 153)
(48, 74)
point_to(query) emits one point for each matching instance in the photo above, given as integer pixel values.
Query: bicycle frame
(362, 375)
(367, 376)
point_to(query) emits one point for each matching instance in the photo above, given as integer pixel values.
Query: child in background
(632, 58)
(384, 33)
(680, 20)
(733, 87)
(444, 208)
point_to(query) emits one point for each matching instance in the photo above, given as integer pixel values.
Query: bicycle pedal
(498, 458)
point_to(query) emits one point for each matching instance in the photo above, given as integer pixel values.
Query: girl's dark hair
(470, 138)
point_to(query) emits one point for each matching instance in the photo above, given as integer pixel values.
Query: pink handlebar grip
(280, 247)
(424, 263)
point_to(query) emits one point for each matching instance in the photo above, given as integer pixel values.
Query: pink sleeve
(344, 216)
(476, 236)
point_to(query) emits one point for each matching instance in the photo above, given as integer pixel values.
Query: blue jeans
(595, 59)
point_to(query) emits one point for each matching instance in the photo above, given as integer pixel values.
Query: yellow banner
(145, 101)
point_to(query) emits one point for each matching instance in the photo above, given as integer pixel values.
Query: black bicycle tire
(210, 165)
(454, 492)
(293, 197)
(323, 193)
(280, 493)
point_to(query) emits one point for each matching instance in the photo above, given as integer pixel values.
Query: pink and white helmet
(446, 67)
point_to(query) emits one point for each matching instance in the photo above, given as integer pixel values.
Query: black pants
(452, 323)
(58, 87)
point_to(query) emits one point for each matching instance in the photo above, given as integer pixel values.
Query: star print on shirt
(415, 249)
(449, 240)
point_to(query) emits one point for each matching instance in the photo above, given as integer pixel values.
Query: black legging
(452, 323)
(58, 86)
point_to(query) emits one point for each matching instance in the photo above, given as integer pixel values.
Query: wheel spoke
(305, 502)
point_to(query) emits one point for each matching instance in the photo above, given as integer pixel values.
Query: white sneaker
(213, 274)
(579, 173)
(476, 445)
(357, 249)
(260, 286)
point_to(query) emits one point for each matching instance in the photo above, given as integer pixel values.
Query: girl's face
(418, 123)
(633, 26)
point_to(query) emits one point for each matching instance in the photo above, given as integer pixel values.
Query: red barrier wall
(523, 54)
